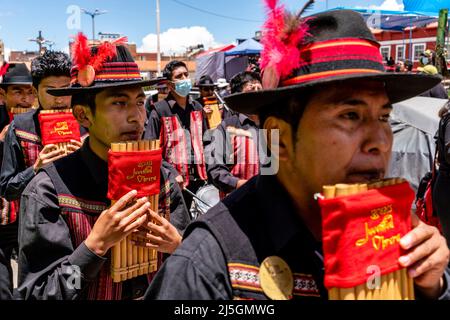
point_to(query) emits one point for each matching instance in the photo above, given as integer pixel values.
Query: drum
(206, 198)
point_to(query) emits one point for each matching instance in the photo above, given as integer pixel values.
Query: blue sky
(21, 19)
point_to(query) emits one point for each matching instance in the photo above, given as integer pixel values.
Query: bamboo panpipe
(63, 145)
(20, 110)
(394, 286)
(130, 261)
(214, 118)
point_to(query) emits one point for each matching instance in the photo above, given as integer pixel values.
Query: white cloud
(389, 5)
(176, 40)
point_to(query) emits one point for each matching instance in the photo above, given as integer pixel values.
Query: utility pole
(41, 41)
(158, 36)
(93, 14)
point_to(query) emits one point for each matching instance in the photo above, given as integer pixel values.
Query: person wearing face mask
(180, 123)
(240, 131)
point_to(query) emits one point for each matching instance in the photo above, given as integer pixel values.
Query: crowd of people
(330, 111)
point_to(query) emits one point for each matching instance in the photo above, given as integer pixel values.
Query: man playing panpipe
(24, 152)
(233, 151)
(330, 108)
(77, 224)
(17, 93)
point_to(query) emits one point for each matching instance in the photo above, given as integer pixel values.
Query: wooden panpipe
(15, 111)
(393, 286)
(215, 117)
(128, 260)
(63, 145)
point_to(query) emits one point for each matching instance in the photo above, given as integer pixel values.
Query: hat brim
(206, 85)
(399, 87)
(102, 86)
(16, 83)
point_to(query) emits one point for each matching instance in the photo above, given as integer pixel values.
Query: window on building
(385, 52)
(418, 49)
(400, 53)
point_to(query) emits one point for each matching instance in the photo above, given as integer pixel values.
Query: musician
(180, 114)
(239, 136)
(206, 86)
(332, 117)
(24, 155)
(18, 92)
(66, 228)
(17, 84)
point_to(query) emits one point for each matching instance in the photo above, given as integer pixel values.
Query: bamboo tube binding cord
(130, 261)
(63, 145)
(394, 286)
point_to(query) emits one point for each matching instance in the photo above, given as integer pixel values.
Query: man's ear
(284, 130)
(83, 115)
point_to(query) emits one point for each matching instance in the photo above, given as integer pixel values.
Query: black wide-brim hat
(206, 81)
(120, 71)
(339, 48)
(17, 74)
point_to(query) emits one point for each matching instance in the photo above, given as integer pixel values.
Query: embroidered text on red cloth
(363, 231)
(137, 170)
(59, 128)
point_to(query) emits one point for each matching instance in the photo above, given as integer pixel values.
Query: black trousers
(441, 202)
(8, 243)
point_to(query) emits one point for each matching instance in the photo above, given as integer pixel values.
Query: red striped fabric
(174, 145)
(197, 142)
(176, 149)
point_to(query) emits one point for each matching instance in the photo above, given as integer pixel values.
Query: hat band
(114, 71)
(335, 58)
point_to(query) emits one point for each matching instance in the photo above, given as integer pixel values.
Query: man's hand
(73, 146)
(426, 258)
(49, 154)
(116, 223)
(179, 179)
(241, 183)
(158, 234)
(3, 133)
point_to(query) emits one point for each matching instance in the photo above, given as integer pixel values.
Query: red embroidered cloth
(58, 128)
(363, 231)
(138, 170)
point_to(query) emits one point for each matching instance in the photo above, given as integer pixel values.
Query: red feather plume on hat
(4, 69)
(283, 33)
(88, 64)
(81, 52)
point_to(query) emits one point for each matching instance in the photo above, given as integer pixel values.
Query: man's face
(120, 116)
(48, 102)
(401, 66)
(19, 96)
(180, 73)
(2, 97)
(206, 92)
(250, 86)
(344, 136)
